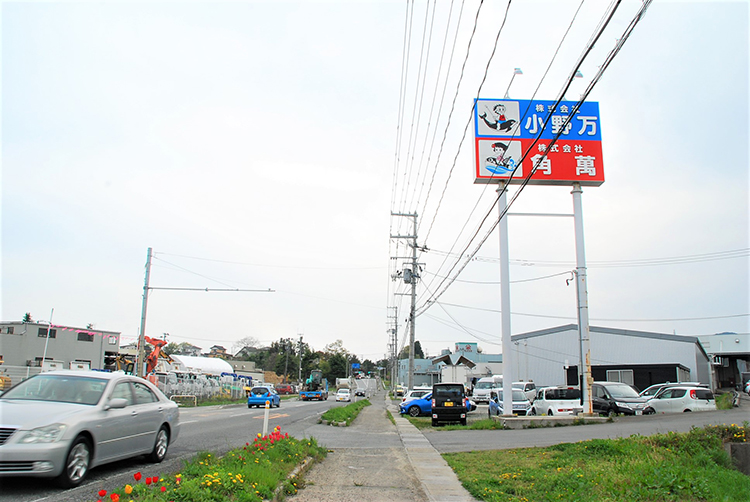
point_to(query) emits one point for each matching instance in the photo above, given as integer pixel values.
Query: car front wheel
(76, 463)
(160, 445)
(414, 411)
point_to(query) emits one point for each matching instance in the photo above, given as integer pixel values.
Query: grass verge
(345, 413)
(252, 473)
(666, 467)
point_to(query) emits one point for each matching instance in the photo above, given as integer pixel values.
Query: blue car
(521, 404)
(259, 395)
(422, 406)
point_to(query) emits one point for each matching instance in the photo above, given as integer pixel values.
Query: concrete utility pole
(299, 352)
(410, 277)
(139, 366)
(393, 346)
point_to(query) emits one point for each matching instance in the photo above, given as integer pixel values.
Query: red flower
(148, 481)
(115, 497)
(102, 493)
(137, 476)
(163, 488)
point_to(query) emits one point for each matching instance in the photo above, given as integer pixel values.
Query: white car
(343, 395)
(679, 399)
(528, 388)
(416, 393)
(557, 401)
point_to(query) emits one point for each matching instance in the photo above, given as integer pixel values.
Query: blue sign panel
(525, 119)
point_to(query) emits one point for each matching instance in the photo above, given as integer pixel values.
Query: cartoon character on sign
(495, 118)
(499, 163)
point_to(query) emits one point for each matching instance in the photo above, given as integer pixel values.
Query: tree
(337, 367)
(27, 318)
(418, 354)
(248, 341)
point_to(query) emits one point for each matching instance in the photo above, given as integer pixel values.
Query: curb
(278, 493)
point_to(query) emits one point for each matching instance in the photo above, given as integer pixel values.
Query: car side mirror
(116, 403)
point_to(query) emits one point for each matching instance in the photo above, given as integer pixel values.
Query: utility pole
(286, 364)
(393, 346)
(410, 276)
(299, 353)
(139, 366)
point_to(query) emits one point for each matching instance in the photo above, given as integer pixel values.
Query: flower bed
(255, 472)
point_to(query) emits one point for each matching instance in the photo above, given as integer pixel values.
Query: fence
(198, 385)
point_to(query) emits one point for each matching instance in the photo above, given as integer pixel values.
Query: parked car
(284, 389)
(528, 388)
(611, 398)
(421, 406)
(557, 401)
(260, 394)
(400, 390)
(680, 399)
(521, 403)
(413, 394)
(651, 391)
(449, 403)
(343, 395)
(485, 385)
(62, 424)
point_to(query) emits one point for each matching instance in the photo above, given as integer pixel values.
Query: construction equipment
(316, 387)
(153, 357)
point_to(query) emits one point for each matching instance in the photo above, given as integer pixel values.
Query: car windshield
(484, 385)
(344, 391)
(59, 388)
(625, 391)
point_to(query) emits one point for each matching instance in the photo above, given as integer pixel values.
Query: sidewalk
(384, 463)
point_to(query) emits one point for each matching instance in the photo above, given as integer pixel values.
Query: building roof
(454, 360)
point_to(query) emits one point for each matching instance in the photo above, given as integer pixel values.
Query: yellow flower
(128, 489)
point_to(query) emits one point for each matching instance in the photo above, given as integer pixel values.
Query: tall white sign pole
(583, 301)
(502, 190)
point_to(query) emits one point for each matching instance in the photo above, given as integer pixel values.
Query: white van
(484, 386)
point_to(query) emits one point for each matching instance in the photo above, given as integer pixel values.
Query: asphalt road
(222, 428)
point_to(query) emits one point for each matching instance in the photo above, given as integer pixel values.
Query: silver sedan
(60, 424)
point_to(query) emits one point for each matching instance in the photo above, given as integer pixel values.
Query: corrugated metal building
(551, 357)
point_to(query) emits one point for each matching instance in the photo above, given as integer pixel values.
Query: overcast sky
(264, 145)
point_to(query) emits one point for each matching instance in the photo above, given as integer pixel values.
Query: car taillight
(692, 394)
(433, 402)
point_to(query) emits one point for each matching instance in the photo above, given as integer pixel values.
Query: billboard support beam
(583, 302)
(502, 191)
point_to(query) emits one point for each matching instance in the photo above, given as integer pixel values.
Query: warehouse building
(552, 357)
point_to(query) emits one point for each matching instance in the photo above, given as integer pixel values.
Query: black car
(448, 403)
(612, 398)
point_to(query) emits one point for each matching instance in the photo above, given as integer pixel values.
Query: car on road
(612, 398)
(260, 394)
(521, 403)
(449, 403)
(557, 401)
(400, 390)
(360, 391)
(61, 424)
(343, 395)
(681, 399)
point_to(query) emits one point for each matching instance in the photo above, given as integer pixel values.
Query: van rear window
(704, 394)
(554, 394)
(448, 391)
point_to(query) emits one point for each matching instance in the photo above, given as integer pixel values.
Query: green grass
(251, 473)
(345, 413)
(724, 401)
(666, 467)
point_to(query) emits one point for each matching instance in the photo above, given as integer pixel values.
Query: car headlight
(47, 434)
(623, 405)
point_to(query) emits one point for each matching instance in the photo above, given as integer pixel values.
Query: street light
(516, 71)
